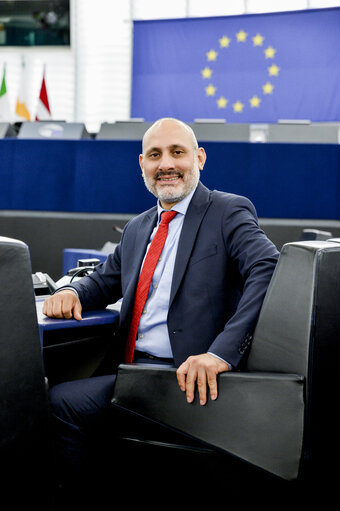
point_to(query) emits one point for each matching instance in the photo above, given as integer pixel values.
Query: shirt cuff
(65, 288)
(229, 365)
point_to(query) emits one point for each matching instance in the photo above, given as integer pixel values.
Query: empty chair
(123, 130)
(25, 450)
(219, 131)
(314, 234)
(7, 130)
(303, 133)
(53, 130)
(279, 413)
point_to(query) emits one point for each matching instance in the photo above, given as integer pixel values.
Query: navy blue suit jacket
(223, 266)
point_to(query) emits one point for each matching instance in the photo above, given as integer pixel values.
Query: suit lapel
(143, 236)
(192, 221)
(136, 254)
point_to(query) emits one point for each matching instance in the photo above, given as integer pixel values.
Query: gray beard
(171, 198)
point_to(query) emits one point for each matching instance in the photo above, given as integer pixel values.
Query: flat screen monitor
(35, 23)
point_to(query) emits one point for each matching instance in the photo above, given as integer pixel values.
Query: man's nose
(166, 162)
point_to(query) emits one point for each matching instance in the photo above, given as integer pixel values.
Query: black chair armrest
(258, 417)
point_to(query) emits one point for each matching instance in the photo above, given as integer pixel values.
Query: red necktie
(145, 278)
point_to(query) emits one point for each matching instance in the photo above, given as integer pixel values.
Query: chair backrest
(279, 413)
(24, 409)
(315, 234)
(298, 330)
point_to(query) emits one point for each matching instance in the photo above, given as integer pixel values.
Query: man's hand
(64, 304)
(202, 369)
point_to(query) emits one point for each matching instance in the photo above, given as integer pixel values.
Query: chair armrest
(257, 417)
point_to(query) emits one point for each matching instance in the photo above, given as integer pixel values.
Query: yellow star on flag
(270, 52)
(206, 72)
(268, 88)
(255, 102)
(222, 102)
(241, 36)
(212, 55)
(273, 70)
(224, 41)
(238, 106)
(258, 40)
(210, 90)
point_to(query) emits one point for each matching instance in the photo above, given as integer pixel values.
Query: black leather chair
(25, 448)
(314, 234)
(278, 416)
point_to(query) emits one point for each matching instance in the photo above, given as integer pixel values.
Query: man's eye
(178, 152)
(153, 155)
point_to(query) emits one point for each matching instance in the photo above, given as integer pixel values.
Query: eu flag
(248, 68)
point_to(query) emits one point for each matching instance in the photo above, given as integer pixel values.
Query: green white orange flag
(21, 109)
(5, 114)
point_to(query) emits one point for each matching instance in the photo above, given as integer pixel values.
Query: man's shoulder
(231, 200)
(218, 196)
(139, 219)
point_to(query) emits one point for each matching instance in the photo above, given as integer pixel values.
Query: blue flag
(249, 68)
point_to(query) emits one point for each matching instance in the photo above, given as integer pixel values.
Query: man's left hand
(203, 370)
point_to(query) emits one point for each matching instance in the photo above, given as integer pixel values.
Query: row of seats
(288, 132)
(242, 132)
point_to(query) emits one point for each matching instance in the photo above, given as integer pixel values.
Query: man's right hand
(64, 304)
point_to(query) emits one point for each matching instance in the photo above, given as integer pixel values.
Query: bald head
(171, 161)
(170, 120)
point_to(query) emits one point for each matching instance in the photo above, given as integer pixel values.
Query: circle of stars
(267, 88)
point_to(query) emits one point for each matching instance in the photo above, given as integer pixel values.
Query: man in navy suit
(207, 289)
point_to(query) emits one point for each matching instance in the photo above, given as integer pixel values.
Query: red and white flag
(43, 109)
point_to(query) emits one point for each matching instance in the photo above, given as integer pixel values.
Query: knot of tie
(167, 216)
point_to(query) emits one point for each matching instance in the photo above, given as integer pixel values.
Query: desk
(100, 176)
(76, 349)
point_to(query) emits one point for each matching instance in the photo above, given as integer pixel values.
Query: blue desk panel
(90, 318)
(101, 176)
(71, 256)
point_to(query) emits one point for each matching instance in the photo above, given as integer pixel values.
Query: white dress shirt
(153, 334)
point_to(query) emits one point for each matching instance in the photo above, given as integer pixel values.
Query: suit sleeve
(103, 286)
(255, 257)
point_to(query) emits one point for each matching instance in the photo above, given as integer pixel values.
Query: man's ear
(141, 161)
(201, 157)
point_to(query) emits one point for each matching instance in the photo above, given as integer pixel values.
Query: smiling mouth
(168, 177)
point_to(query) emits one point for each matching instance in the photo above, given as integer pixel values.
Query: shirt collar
(180, 207)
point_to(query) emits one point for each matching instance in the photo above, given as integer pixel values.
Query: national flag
(5, 115)
(21, 109)
(245, 68)
(43, 109)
